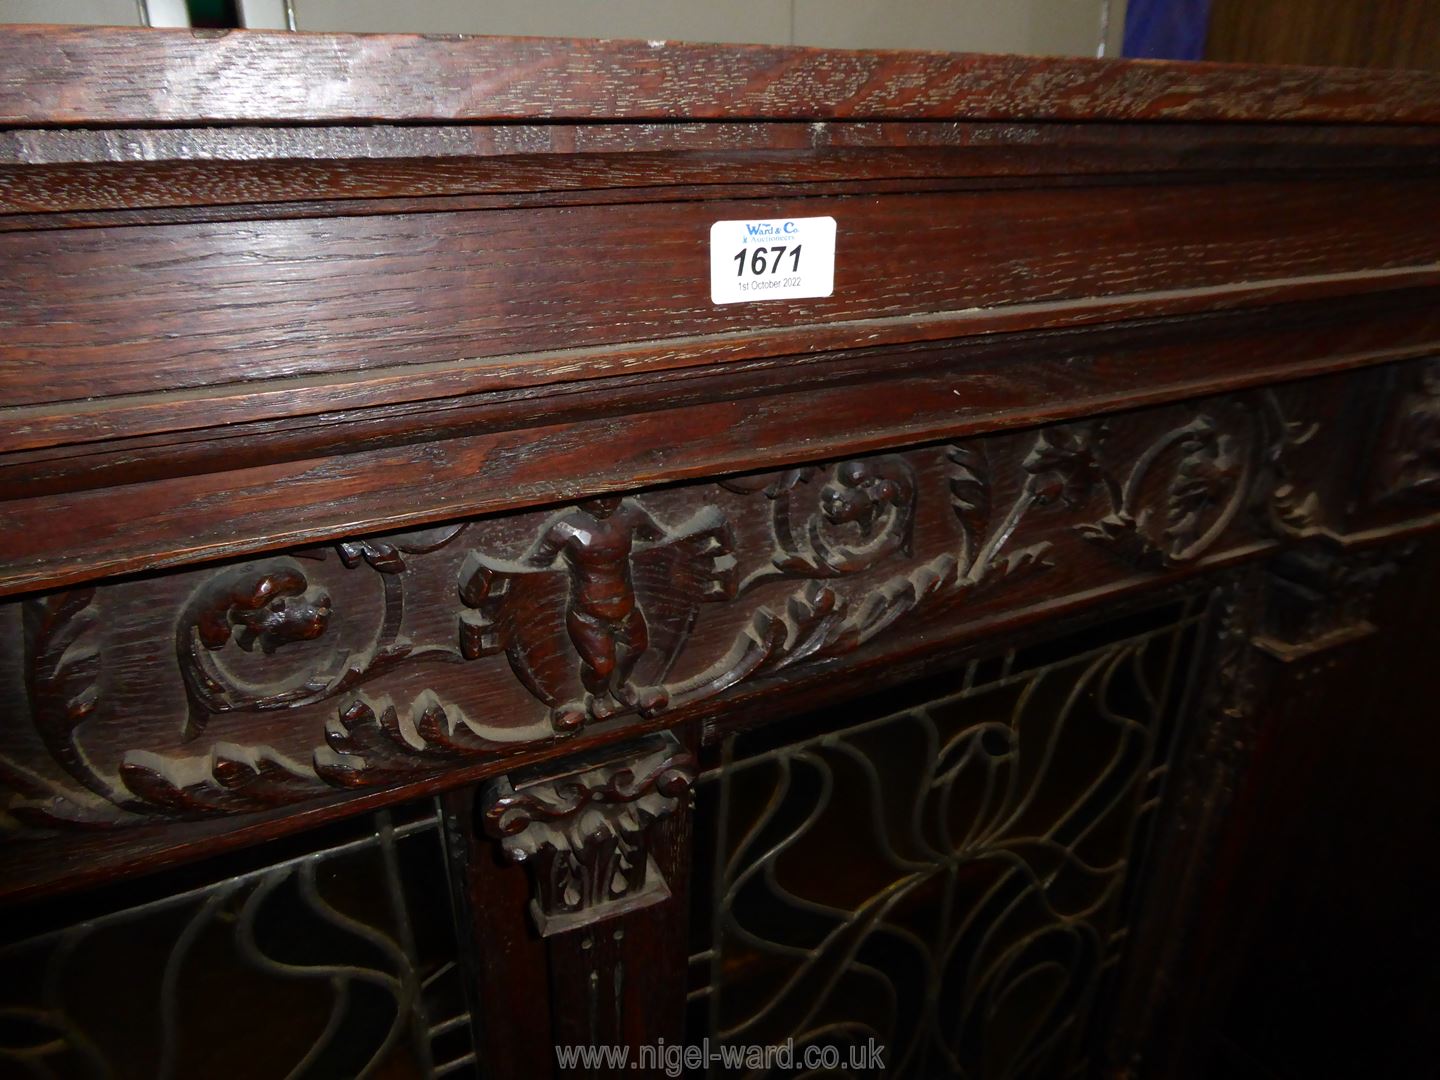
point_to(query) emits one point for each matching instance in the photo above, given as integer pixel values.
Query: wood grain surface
(367, 432)
(136, 506)
(411, 662)
(85, 76)
(180, 306)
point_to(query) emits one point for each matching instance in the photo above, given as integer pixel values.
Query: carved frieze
(1318, 597)
(388, 659)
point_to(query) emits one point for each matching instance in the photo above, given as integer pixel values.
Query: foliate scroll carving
(862, 511)
(1286, 507)
(1204, 489)
(62, 664)
(816, 622)
(230, 779)
(582, 830)
(269, 605)
(272, 607)
(1185, 488)
(989, 551)
(389, 659)
(612, 584)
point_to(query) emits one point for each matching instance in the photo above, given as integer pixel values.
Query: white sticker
(772, 260)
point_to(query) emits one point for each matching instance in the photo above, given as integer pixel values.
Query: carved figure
(629, 591)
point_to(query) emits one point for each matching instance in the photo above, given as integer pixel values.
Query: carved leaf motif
(370, 742)
(229, 779)
(900, 597)
(817, 623)
(670, 776)
(1018, 561)
(592, 617)
(42, 803)
(814, 622)
(970, 496)
(584, 833)
(864, 512)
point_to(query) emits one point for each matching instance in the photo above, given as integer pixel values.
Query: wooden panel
(1353, 33)
(49, 177)
(191, 305)
(384, 370)
(1322, 911)
(123, 421)
(116, 76)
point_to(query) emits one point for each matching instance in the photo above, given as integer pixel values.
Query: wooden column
(571, 882)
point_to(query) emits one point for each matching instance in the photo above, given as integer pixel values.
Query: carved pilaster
(1319, 598)
(1153, 998)
(582, 825)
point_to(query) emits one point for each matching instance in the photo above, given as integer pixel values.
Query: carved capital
(1318, 598)
(581, 826)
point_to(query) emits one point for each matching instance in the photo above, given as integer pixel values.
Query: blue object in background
(1167, 29)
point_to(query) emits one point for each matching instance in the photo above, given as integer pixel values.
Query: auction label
(772, 260)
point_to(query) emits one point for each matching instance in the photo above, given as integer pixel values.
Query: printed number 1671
(760, 260)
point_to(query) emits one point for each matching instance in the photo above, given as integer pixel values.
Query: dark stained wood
(53, 178)
(1342, 796)
(612, 438)
(1324, 770)
(446, 386)
(1351, 33)
(367, 433)
(508, 973)
(174, 307)
(197, 77)
(411, 661)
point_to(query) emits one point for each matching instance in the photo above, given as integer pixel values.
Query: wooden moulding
(1100, 328)
(167, 501)
(175, 307)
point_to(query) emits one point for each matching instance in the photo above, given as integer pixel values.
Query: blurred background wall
(1070, 27)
